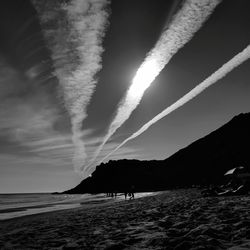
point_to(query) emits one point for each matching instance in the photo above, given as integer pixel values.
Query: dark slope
(202, 162)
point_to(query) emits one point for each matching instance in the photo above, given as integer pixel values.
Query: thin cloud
(188, 20)
(216, 76)
(29, 118)
(74, 33)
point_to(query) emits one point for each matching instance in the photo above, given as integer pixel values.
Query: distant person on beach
(131, 193)
(111, 194)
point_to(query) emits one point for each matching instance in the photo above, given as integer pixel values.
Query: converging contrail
(181, 29)
(74, 31)
(217, 75)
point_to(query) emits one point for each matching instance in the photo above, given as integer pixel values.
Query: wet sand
(181, 219)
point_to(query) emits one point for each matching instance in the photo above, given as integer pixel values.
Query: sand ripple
(170, 220)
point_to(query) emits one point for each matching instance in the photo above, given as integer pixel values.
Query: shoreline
(177, 219)
(92, 201)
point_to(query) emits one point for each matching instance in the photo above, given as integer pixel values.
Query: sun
(143, 78)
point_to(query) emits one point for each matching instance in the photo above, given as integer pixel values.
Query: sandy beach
(180, 219)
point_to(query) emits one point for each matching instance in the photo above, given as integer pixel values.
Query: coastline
(180, 219)
(75, 201)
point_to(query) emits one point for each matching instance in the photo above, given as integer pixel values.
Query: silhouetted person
(125, 195)
(131, 193)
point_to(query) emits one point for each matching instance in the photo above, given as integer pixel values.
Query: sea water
(17, 205)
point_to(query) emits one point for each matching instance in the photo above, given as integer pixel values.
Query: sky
(36, 148)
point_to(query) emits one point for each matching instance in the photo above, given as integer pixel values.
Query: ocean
(17, 205)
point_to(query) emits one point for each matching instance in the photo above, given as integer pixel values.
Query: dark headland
(201, 163)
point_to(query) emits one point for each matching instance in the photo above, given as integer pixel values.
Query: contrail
(74, 31)
(217, 75)
(181, 29)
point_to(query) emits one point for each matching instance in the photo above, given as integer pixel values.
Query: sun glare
(143, 78)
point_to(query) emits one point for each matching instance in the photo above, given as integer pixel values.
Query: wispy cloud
(217, 75)
(74, 32)
(188, 20)
(29, 118)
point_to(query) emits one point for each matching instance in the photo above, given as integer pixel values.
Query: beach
(178, 219)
